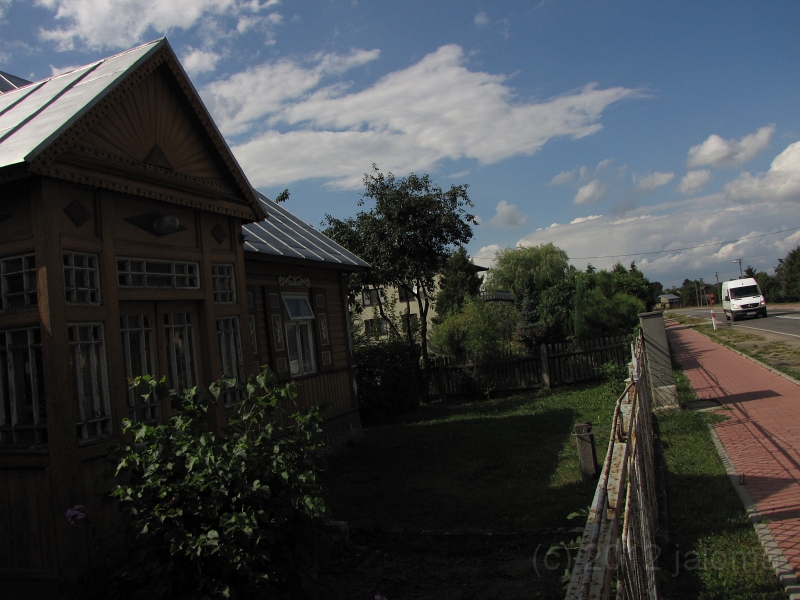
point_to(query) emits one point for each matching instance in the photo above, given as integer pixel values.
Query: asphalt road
(785, 321)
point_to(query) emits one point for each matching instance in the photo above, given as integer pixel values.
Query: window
(23, 420)
(87, 360)
(19, 281)
(179, 334)
(745, 291)
(138, 272)
(81, 278)
(376, 327)
(404, 294)
(369, 297)
(137, 345)
(230, 351)
(299, 334)
(224, 284)
(411, 320)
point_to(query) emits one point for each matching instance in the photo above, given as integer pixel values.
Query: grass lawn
(419, 494)
(500, 465)
(713, 550)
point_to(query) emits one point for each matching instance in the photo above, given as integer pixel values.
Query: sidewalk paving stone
(762, 433)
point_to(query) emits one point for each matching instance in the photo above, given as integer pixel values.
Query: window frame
(102, 421)
(129, 274)
(74, 289)
(231, 357)
(10, 404)
(30, 292)
(223, 283)
(149, 407)
(297, 329)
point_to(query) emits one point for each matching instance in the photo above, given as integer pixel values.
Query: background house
(131, 242)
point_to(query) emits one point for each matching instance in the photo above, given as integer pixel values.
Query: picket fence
(550, 365)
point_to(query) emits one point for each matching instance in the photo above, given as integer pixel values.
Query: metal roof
(283, 234)
(10, 82)
(33, 116)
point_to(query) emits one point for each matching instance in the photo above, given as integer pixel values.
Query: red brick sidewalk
(762, 435)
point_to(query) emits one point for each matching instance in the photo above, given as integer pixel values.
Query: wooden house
(131, 242)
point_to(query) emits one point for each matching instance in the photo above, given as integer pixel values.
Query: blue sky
(608, 128)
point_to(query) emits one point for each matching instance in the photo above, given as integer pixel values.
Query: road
(781, 320)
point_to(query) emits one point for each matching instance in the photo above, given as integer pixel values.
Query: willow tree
(409, 232)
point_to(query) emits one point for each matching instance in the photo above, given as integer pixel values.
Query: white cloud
(200, 61)
(565, 177)
(411, 119)
(264, 90)
(582, 219)
(486, 256)
(508, 216)
(694, 181)
(654, 180)
(591, 192)
(481, 19)
(675, 226)
(4, 4)
(718, 152)
(781, 182)
(122, 23)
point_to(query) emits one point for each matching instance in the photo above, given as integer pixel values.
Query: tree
(459, 280)
(788, 275)
(528, 269)
(413, 227)
(481, 329)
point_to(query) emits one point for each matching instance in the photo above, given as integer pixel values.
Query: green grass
(502, 465)
(714, 552)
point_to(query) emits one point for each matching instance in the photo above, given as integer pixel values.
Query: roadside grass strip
(713, 551)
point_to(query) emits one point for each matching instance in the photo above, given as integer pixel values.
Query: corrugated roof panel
(8, 99)
(283, 234)
(29, 126)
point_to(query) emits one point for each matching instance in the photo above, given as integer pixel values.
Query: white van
(742, 297)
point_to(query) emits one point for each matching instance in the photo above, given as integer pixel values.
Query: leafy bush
(390, 380)
(219, 516)
(480, 329)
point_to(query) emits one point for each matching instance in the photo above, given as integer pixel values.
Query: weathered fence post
(545, 366)
(587, 453)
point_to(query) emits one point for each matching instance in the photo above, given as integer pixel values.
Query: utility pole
(739, 260)
(703, 292)
(716, 287)
(696, 293)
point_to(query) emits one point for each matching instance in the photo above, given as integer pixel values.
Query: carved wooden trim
(294, 281)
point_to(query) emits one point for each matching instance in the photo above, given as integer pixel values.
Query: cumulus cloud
(481, 19)
(508, 216)
(565, 177)
(694, 181)
(650, 182)
(120, 24)
(411, 119)
(4, 4)
(59, 70)
(781, 182)
(718, 152)
(582, 219)
(673, 227)
(590, 193)
(200, 61)
(486, 256)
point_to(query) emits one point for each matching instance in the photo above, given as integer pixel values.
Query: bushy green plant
(389, 378)
(231, 515)
(481, 329)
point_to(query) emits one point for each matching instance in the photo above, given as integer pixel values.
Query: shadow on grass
(478, 470)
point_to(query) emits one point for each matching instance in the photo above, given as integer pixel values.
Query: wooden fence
(550, 365)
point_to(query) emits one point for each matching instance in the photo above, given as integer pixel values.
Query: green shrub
(218, 516)
(390, 380)
(480, 329)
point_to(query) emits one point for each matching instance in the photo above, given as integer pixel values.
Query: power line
(752, 237)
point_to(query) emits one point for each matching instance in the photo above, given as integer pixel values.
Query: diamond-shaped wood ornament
(219, 233)
(77, 213)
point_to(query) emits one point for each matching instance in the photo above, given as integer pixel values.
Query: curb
(777, 559)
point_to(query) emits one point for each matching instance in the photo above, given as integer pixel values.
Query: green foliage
(604, 316)
(459, 280)
(481, 329)
(788, 275)
(282, 197)
(390, 381)
(528, 269)
(219, 516)
(413, 226)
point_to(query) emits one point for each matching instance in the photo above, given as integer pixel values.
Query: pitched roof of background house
(283, 234)
(10, 82)
(33, 117)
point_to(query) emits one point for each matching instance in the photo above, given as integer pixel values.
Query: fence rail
(618, 543)
(550, 365)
